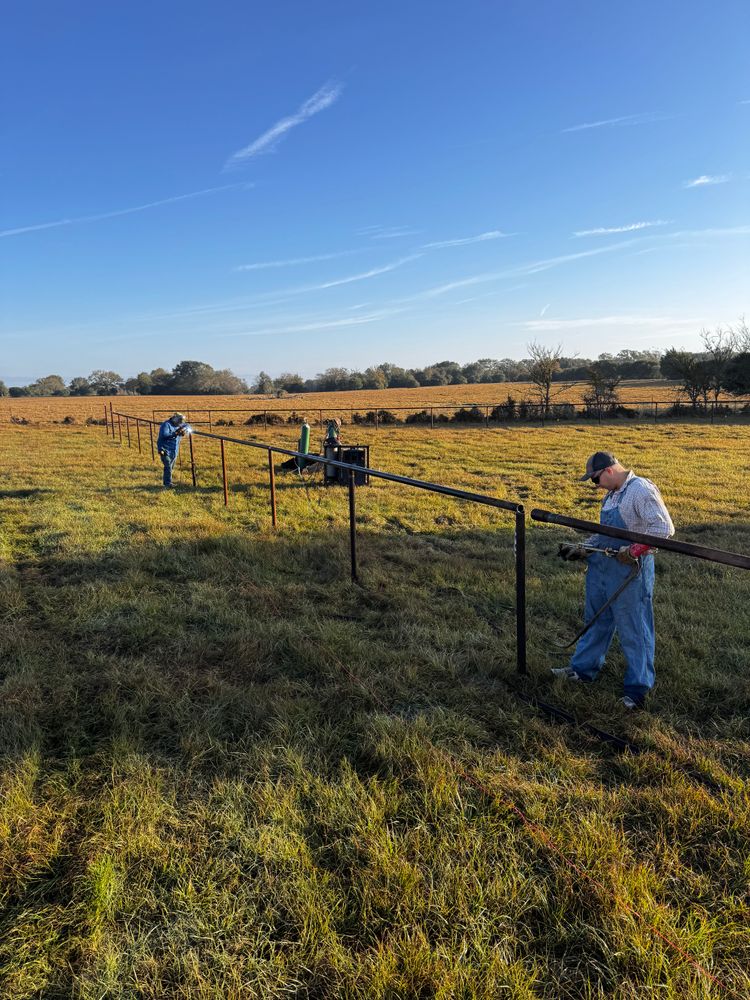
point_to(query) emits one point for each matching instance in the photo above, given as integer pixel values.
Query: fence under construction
(469, 414)
(136, 431)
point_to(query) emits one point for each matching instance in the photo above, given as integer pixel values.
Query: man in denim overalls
(634, 503)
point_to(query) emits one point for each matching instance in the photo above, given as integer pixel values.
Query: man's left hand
(625, 556)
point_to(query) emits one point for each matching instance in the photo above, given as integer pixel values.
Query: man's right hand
(572, 553)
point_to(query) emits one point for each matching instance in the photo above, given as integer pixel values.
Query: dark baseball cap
(597, 463)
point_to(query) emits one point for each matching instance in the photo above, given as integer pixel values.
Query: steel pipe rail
(375, 473)
(735, 559)
(517, 509)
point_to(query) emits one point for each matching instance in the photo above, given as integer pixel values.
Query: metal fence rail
(517, 509)
(735, 559)
(484, 414)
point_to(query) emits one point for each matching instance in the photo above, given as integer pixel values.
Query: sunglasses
(595, 479)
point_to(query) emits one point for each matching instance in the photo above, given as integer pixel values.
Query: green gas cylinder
(304, 444)
(304, 438)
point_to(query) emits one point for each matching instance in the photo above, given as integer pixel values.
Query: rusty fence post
(353, 526)
(210, 425)
(151, 436)
(138, 432)
(224, 473)
(487, 417)
(272, 484)
(656, 412)
(111, 421)
(377, 420)
(192, 460)
(106, 422)
(127, 427)
(432, 418)
(519, 545)
(119, 427)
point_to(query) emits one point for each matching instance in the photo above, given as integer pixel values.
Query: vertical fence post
(656, 412)
(151, 435)
(224, 473)
(353, 526)
(320, 417)
(138, 432)
(377, 419)
(487, 417)
(192, 460)
(265, 420)
(106, 422)
(519, 540)
(119, 427)
(210, 425)
(111, 420)
(272, 484)
(127, 425)
(432, 418)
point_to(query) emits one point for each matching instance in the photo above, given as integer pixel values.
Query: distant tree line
(722, 366)
(189, 378)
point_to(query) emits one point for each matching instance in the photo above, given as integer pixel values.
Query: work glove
(572, 553)
(628, 555)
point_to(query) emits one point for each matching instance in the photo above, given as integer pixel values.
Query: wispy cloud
(122, 211)
(322, 324)
(522, 270)
(619, 320)
(632, 227)
(364, 274)
(262, 265)
(644, 118)
(494, 234)
(386, 232)
(706, 179)
(328, 94)
(544, 310)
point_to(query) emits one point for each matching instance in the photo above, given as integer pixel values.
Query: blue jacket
(168, 439)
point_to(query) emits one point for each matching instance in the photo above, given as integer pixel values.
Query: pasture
(54, 409)
(228, 772)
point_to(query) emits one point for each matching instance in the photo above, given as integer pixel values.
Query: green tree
(3, 388)
(264, 384)
(737, 375)
(79, 387)
(105, 383)
(50, 385)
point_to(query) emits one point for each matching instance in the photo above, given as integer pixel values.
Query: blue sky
(292, 186)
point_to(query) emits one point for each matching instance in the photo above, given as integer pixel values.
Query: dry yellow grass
(51, 409)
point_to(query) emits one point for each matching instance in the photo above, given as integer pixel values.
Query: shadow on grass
(23, 494)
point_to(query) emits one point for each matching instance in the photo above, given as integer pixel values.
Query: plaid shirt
(641, 507)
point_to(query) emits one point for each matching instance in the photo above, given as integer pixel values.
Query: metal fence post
(377, 419)
(119, 427)
(519, 544)
(210, 425)
(353, 526)
(272, 483)
(224, 473)
(192, 460)
(106, 422)
(656, 412)
(127, 425)
(432, 418)
(151, 435)
(111, 420)
(138, 432)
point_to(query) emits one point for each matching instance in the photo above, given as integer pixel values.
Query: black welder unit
(358, 454)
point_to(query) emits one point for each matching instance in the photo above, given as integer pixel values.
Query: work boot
(567, 673)
(627, 702)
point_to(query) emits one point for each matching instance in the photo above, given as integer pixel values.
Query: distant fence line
(114, 427)
(485, 414)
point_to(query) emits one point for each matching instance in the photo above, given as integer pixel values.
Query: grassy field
(55, 409)
(227, 772)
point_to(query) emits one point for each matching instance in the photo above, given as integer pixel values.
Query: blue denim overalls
(631, 614)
